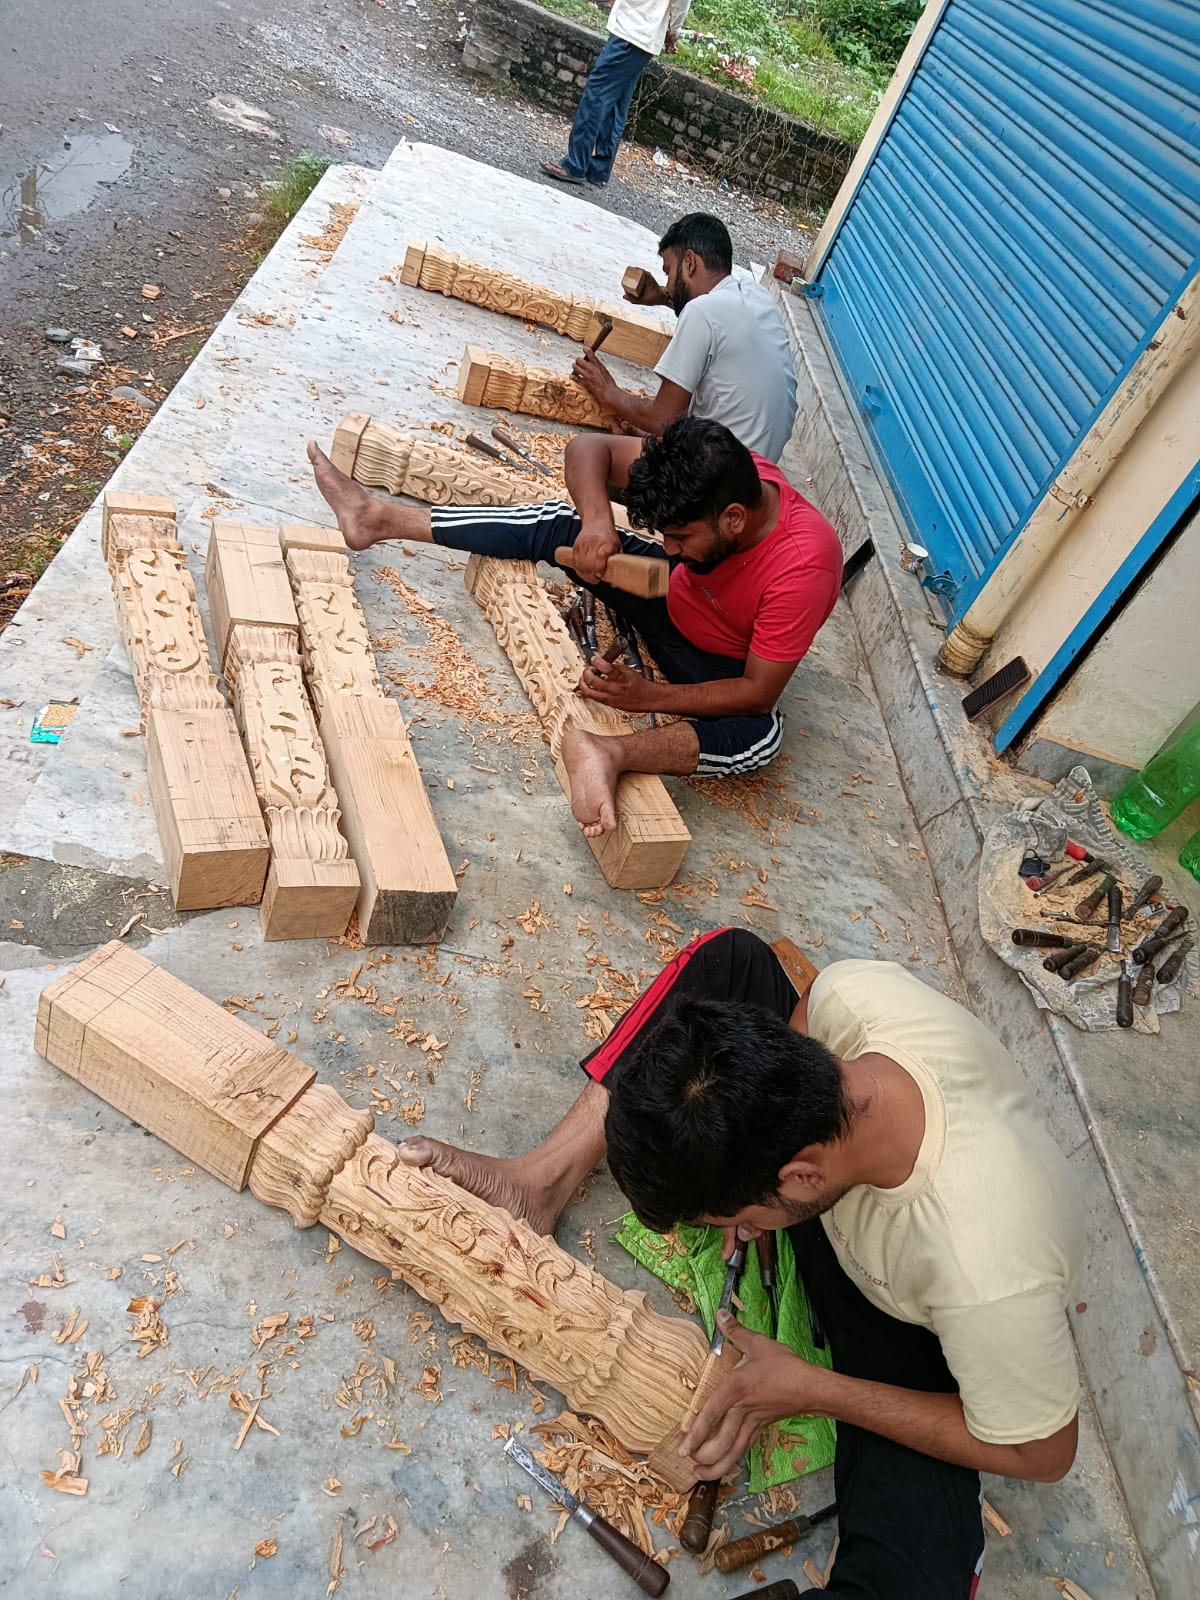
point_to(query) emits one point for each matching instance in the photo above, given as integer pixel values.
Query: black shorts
(910, 1527)
(728, 745)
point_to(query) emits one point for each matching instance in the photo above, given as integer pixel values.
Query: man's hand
(671, 44)
(768, 1384)
(615, 685)
(592, 549)
(591, 374)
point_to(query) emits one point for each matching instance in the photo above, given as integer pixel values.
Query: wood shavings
(57, 1230)
(71, 1332)
(1069, 1589)
(814, 1574)
(420, 1323)
(145, 1433)
(524, 1502)
(268, 1328)
(466, 1351)
(532, 920)
(65, 1477)
(336, 1570)
(617, 1484)
(241, 1402)
(149, 1332)
(390, 1533)
(429, 1384)
(266, 1548)
(994, 1520)
(54, 1279)
(180, 1461)
(78, 646)
(718, 1539)
(364, 1329)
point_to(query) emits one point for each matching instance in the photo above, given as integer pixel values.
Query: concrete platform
(830, 826)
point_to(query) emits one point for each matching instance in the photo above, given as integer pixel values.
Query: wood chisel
(697, 1525)
(1086, 958)
(647, 1574)
(509, 443)
(741, 1552)
(1144, 896)
(1145, 983)
(767, 1249)
(1041, 886)
(1124, 998)
(606, 327)
(1113, 943)
(1087, 906)
(1166, 932)
(1038, 939)
(1061, 958)
(1087, 871)
(732, 1273)
(1171, 967)
(486, 449)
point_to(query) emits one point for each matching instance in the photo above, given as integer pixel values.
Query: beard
(805, 1210)
(680, 295)
(722, 547)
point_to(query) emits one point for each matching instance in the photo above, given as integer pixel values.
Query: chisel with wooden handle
(1172, 966)
(741, 1552)
(1165, 934)
(509, 443)
(1087, 906)
(697, 1525)
(646, 1573)
(646, 576)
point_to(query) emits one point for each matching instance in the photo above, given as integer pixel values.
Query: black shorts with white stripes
(728, 745)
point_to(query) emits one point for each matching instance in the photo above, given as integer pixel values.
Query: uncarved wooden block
(646, 848)
(308, 536)
(169, 1058)
(408, 885)
(309, 899)
(632, 338)
(213, 838)
(347, 437)
(247, 582)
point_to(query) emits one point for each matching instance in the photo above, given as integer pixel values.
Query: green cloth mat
(690, 1259)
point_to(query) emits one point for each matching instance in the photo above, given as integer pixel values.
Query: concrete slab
(846, 874)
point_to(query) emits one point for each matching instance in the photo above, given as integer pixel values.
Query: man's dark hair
(690, 474)
(716, 1100)
(705, 236)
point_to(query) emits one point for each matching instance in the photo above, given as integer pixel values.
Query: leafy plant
(287, 193)
(868, 33)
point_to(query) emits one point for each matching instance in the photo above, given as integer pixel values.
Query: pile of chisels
(1105, 928)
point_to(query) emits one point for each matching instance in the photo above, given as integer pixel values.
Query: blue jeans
(600, 119)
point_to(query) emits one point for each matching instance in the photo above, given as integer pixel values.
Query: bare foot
(359, 515)
(501, 1183)
(593, 764)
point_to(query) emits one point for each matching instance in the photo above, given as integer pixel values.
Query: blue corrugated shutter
(1028, 217)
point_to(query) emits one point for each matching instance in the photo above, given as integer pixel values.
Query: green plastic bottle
(1189, 856)
(1151, 801)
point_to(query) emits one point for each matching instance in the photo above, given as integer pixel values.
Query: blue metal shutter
(1031, 212)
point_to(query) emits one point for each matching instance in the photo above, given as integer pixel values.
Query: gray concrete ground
(826, 839)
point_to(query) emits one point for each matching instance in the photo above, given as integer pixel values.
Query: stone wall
(548, 58)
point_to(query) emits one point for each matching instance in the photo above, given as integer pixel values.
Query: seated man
(755, 572)
(729, 360)
(933, 1222)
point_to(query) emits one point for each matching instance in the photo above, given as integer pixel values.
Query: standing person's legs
(908, 1524)
(627, 71)
(603, 90)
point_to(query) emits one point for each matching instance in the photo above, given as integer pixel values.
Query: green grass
(769, 53)
(297, 180)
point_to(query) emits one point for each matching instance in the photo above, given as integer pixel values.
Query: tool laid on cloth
(1041, 886)
(741, 1552)
(1060, 958)
(1115, 899)
(1093, 865)
(645, 576)
(646, 1573)
(1086, 909)
(1163, 935)
(1144, 985)
(732, 1273)
(1086, 958)
(509, 443)
(1124, 998)
(1144, 896)
(1040, 940)
(697, 1525)
(1170, 968)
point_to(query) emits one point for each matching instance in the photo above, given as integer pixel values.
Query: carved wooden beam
(635, 336)
(490, 380)
(647, 847)
(405, 463)
(408, 885)
(214, 843)
(250, 1113)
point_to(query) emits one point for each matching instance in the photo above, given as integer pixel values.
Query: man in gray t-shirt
(729, 361)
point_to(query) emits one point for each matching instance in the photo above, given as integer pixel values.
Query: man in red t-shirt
(755, 571)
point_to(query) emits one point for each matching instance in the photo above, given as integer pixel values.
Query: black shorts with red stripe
(728, 964)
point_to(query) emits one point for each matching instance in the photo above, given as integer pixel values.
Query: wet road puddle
(62, 184)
